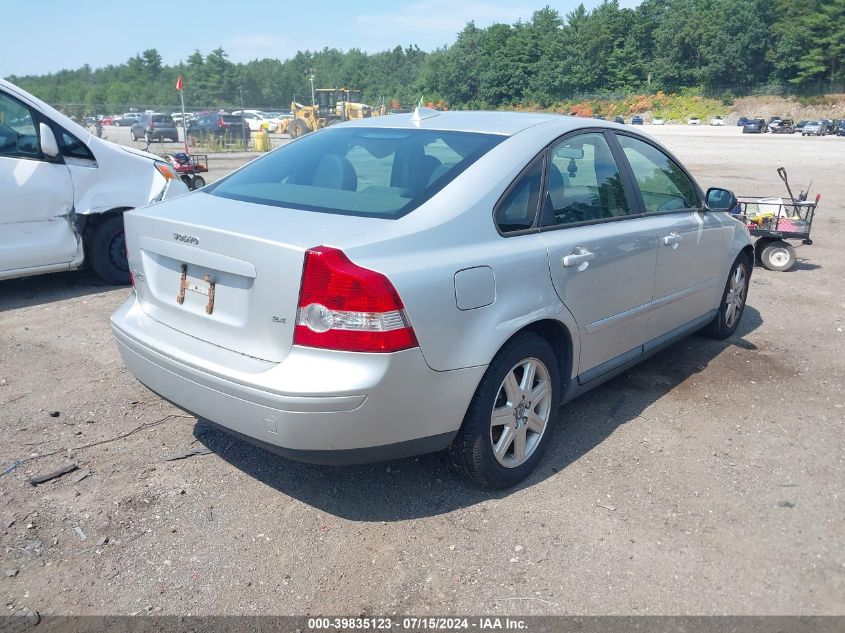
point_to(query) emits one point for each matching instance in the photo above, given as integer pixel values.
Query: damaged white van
(63, 191)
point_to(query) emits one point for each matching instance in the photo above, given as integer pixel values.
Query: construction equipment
(333, 105)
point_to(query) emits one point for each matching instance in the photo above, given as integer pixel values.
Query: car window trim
(649, 214)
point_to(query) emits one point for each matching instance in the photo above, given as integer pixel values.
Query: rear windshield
(232, 118)
(162, 118)
(369, 172)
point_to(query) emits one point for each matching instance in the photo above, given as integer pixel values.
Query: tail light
(345, 307)
(222, 123)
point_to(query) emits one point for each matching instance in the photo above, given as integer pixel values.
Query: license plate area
(204, 286)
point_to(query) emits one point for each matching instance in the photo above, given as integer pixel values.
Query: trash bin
(261, 141)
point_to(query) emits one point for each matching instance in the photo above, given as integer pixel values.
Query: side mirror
(49, 145)
(720, 199)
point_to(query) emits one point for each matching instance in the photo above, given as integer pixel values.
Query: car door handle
(578, 257)
(673, 239)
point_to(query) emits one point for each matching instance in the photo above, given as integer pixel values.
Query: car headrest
(335, 172)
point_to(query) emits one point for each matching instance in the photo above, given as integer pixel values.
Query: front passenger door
(36, 196)
(601, 257)
(691, 244)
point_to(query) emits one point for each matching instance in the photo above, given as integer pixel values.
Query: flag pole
(184, 120)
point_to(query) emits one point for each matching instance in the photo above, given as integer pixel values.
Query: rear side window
(368, 172)
(584, 182)
(517, 210)
(18, 135)
(663, 184)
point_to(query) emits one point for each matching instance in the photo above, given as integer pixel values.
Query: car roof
(503, 123)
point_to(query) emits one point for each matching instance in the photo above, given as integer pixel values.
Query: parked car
(741, 121)
(755, 126)
(782, 126)
(799, 126)
(814, 128)
(227, 127)
(129, 118)
(304, 303)
(619, 119)
(828, 126)
(657, 121)
(636, 120)
(158, 127)
(64, 191)
(107, 120)
(717, 120)
(693, 120)
(257, 120)
(840, 129)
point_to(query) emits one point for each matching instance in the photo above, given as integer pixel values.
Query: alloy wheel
(521, 412)
(735, 297)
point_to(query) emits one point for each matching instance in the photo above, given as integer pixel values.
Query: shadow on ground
(44, 289)
(425, 485)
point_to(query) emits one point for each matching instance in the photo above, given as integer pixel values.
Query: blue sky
(41, 36)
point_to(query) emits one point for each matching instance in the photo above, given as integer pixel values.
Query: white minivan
(63, 191)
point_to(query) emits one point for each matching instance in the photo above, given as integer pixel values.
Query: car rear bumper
(316, 405)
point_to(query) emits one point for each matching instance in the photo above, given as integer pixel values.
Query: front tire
(106, 251)
(508, 424)
(732, 305)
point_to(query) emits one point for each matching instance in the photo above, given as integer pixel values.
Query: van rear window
(369, 172)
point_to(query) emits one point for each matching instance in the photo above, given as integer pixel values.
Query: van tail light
(345, 307)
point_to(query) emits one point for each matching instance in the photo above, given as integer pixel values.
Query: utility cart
(189, 166)
(774, 220)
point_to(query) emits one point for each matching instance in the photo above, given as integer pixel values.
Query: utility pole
(311, 78)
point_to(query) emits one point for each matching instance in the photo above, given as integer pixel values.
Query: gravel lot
(708, 480)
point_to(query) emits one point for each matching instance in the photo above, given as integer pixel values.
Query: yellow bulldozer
(333, 105)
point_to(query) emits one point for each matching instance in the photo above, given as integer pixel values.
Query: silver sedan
(437, 280)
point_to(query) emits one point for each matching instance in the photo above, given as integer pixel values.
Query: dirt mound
(824, 107)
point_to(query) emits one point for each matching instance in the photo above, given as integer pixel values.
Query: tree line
(714, 46)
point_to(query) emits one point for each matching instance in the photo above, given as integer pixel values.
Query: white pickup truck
(63, 191)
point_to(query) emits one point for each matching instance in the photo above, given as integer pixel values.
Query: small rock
(514, 559)
(81, 475)
(80, 533)
(10, 573)
(102, 541)
(31, 616)
(785, 504)
(518, 548)
(55, 414)
(451, 548)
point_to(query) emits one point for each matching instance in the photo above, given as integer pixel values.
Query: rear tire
(778, 256)
(199, 181)
(509, 421)
(106, 251)
(732, 304)
(298, 128)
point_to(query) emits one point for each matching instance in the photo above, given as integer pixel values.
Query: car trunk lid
(228, 272)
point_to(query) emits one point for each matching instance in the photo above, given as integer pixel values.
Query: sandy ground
(708, 480)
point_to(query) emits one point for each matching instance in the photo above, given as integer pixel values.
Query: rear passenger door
(691, 244)
(601, 254)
